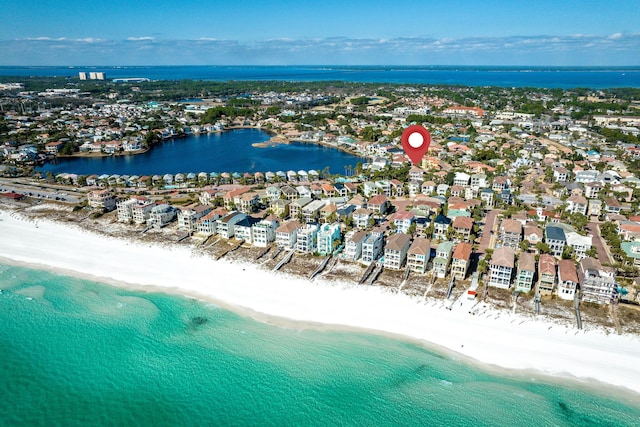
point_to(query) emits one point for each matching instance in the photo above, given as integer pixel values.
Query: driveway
(598, 243)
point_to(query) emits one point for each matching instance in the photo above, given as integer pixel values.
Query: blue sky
(301, 32)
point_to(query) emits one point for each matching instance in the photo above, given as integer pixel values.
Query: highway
(44, 191)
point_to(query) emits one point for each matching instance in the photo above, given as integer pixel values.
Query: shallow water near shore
(76, 352)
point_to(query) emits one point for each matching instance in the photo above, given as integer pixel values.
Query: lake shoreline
(236, 149)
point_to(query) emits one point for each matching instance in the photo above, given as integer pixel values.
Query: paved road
(599, 244)
(38, 192)
(490, 223)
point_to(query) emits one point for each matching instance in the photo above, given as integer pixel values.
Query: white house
(353, 245)
(403, 220)
(372, 247)
(161, 215)
(501, 267)
(226, 225)
(306, 242)
(264, 232)
(188, 217)
(102, 199)
(462, 179)
(287, 234)
(395, 251)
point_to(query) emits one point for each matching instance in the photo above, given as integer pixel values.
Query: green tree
(592, 252)
(369, 133)
(568, 252)
(348, 221)
(483, 265)
(579, 221)
(150, 139)
(68, 149)
(488, 254)
(543, 248)
(272, 110)
(412, 228)
(361, 100)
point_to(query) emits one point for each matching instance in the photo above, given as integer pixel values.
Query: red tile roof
(463, 251)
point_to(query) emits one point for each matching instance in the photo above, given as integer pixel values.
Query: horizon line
(322, 65)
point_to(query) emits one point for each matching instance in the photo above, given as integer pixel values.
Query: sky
(320, 32)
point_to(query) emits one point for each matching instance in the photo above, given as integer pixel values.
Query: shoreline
(275, 139)
(496, 342)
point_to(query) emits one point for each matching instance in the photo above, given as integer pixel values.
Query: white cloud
(88, 40)
(140, 39)
(615, 49)
(46, 39)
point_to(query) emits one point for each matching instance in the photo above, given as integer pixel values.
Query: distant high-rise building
(82, 75)
(99, 75)
(92, 75)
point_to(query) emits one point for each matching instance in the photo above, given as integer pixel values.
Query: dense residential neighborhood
(533, 191)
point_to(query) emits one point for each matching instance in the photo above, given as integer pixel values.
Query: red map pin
(415, 142)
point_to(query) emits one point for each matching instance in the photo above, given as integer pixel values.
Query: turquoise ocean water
(75, 352)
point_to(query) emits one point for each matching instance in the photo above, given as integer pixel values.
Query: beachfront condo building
(102, 199)
(526, 272)
(596, 282)
(188, 217)
(567, 279)
(208, 224)
(140, 212)
(226, 225)
(307, 240)
(287, 234)
(372, 247)
(243, 229)
(327, 235)
(501, 267)
(418, 255)
(443, 259)
(461, 260)
(395, 251)
(135, 209)
(556, 239)
(264, 232)
(546, 274)
(353, 246)
(161, 215)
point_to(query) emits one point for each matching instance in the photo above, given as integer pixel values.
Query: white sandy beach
(496, 338)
